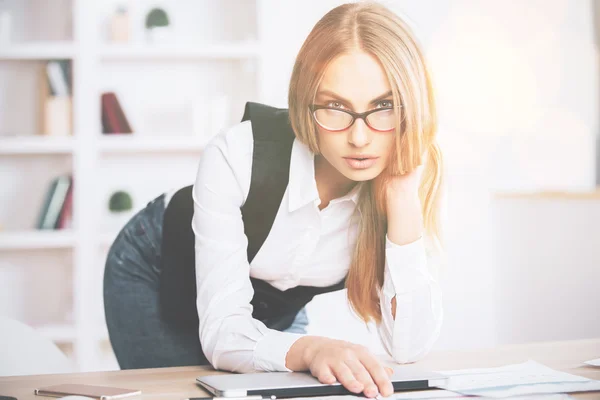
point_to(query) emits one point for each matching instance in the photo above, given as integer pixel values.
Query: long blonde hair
(374, 29)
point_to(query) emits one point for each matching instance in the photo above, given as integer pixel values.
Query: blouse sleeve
(410, 277)
(231, 339)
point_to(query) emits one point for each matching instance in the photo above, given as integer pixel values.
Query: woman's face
(355, 82)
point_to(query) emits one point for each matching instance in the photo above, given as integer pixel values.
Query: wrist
(302, 352)
(402, 200)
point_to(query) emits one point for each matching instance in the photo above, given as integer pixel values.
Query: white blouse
(306, 246)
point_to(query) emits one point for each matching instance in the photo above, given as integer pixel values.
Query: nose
(360, 134)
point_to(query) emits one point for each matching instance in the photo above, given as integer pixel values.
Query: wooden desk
(179, 383)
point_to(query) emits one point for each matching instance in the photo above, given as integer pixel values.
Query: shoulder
(234, 141)
(227, 158)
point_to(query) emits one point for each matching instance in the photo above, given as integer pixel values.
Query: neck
(331, 184)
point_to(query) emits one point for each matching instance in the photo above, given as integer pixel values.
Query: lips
(361, 156)
(361, 161)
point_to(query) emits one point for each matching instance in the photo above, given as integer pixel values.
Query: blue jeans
(138, 334)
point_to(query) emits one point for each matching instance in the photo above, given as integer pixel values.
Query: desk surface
(179, 383)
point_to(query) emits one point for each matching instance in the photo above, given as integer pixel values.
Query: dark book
(46, 203)
(113, 117)
(123, 122)
(65, 66)
(110, 124)
(66, 213)
(66, 77)
(53, 203)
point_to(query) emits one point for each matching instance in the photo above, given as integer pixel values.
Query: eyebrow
(343, 100)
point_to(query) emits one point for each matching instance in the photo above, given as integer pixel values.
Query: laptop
(299, 384)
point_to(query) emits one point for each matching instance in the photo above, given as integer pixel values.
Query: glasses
(335, 120)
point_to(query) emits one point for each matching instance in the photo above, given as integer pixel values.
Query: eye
(334, 104)
(385, 104)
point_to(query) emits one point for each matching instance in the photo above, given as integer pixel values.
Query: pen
(255, 397)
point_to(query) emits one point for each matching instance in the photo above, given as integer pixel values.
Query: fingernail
(356, 387)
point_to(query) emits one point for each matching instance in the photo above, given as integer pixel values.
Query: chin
(361, 175)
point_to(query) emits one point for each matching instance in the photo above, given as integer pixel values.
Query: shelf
(59, 333)
(36, 145)
(126, 143)
(181, 53)
(36, 239)
(67, 333)
(38, 51)
(547, 195)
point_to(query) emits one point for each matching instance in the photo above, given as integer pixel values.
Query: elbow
(208, 347)
(410, 355)
(412, 348)
(223, 351)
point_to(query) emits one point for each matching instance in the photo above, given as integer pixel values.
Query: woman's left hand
(403, 206)
(407, 184)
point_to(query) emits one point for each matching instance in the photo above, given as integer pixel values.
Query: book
(54, 202)
(57, 78)
(65, 219)
(65, 66)
(113, 116)
(55, 117)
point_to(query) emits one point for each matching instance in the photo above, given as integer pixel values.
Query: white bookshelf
(123, 144)
(181, 53)
(226, 59)
(39, 50)
(36, 145)
(36, 240)
(59, 333)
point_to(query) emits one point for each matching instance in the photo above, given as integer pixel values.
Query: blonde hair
(374, 29)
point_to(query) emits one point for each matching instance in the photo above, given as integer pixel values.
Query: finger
(345, 376)
(378, 373)
(324, 374)
(389, 370)
(362, 375)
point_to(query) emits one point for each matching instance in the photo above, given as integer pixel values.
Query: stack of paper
(594, 363)
(439, 395)
(527, 381)
(516, 380)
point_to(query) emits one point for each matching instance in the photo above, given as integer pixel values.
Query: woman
(361, 201)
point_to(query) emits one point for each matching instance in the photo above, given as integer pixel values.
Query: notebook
(298, 384)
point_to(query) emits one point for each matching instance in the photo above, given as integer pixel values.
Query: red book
(110, 121)
(113, 117)
(123, 122)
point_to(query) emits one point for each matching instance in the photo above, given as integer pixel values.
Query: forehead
(356, 76)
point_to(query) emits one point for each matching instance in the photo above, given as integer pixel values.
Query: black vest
(273, 139)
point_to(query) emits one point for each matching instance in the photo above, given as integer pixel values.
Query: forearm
(405, 218)
(411, 305)
(405, 221)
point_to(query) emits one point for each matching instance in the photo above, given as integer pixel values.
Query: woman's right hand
(350, 364)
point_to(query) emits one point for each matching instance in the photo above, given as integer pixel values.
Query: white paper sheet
(569, 387)
(518, 379)
(595, 363)
(529, 372)
(444, 394)
(439, 395)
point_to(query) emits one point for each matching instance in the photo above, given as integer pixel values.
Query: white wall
(547, 258)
